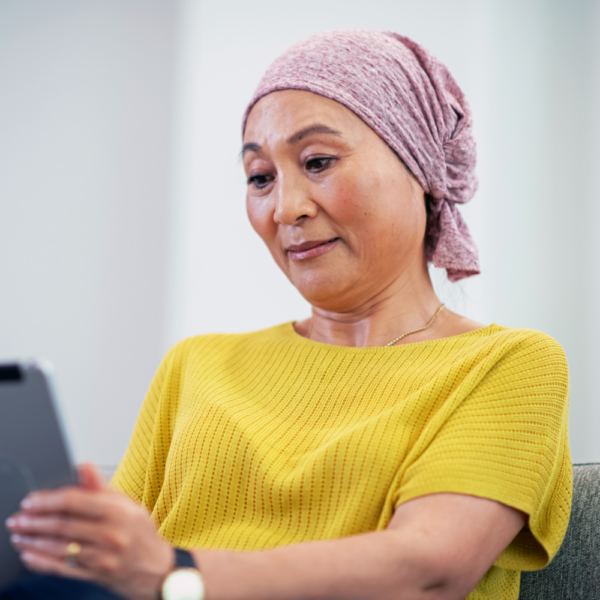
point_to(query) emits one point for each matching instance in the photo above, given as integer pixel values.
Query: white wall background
(116, 240)
(85, 109)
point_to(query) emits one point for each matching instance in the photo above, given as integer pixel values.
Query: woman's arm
(437, 546)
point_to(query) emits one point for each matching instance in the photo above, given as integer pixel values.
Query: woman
(383, 448)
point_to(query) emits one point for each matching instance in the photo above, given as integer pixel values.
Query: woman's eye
(259, 181)
(315, 165)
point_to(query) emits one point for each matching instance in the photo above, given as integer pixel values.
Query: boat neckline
(476, 332)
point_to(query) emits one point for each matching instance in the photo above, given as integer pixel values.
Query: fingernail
(10, 522)
(22, 539)
(30, 501)
(26, 557)
(23, 521)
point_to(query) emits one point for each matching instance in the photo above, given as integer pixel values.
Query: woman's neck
(399, 308)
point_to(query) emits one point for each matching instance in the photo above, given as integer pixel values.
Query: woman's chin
(328, 295)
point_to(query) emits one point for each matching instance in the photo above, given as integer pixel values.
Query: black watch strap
(184, 559)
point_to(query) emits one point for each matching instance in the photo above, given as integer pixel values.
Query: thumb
(90, 478)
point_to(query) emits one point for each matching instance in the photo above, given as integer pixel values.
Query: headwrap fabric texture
(412, 102)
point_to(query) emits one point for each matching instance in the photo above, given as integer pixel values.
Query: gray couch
(574, 574)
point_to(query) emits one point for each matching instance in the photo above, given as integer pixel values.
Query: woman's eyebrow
(250, 147)
(293, 139)
(318, 128)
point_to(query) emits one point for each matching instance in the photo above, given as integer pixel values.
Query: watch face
(183, 584)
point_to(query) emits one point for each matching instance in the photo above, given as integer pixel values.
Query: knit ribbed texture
(265, 439)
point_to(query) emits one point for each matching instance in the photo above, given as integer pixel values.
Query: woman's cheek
(260, 214)
(347, 199)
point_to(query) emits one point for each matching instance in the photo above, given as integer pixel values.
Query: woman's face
(339, 212)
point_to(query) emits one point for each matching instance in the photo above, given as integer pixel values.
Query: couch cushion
(574, 574)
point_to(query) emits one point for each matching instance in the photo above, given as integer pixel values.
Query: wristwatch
(184, 582)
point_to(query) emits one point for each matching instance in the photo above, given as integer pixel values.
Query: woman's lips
(311, 249)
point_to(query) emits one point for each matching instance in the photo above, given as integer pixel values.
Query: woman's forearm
(379, 565)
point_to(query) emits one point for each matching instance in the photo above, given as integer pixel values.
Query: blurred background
(122, 220)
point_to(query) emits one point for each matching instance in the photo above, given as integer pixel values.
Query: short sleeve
(507, 440)
(141, 470)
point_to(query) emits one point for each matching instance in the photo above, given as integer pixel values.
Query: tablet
(33, 450)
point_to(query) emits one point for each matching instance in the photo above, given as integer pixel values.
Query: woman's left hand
(120, 547)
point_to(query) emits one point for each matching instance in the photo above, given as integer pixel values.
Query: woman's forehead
(286, 112)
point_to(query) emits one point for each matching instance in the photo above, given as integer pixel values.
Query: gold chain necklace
(437, 312)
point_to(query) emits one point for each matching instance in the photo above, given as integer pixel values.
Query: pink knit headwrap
(413, 103)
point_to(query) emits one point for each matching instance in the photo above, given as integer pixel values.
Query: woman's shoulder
(521, 346)
(528, 360)
(523, 340)
(508, 358)
(225, 342)
(510, 337)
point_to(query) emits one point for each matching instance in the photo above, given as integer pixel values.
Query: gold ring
(72, 553)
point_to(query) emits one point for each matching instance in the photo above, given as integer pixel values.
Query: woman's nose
(292, 201)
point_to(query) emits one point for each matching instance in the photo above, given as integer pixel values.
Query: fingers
(39, 561)
(49, 547)
(118, 539)
(73, 500)
(122, 555)
(53, 554)
(55, 526)
(90, 478)
(69, 500)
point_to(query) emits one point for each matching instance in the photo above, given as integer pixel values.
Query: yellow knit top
(264, 439)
